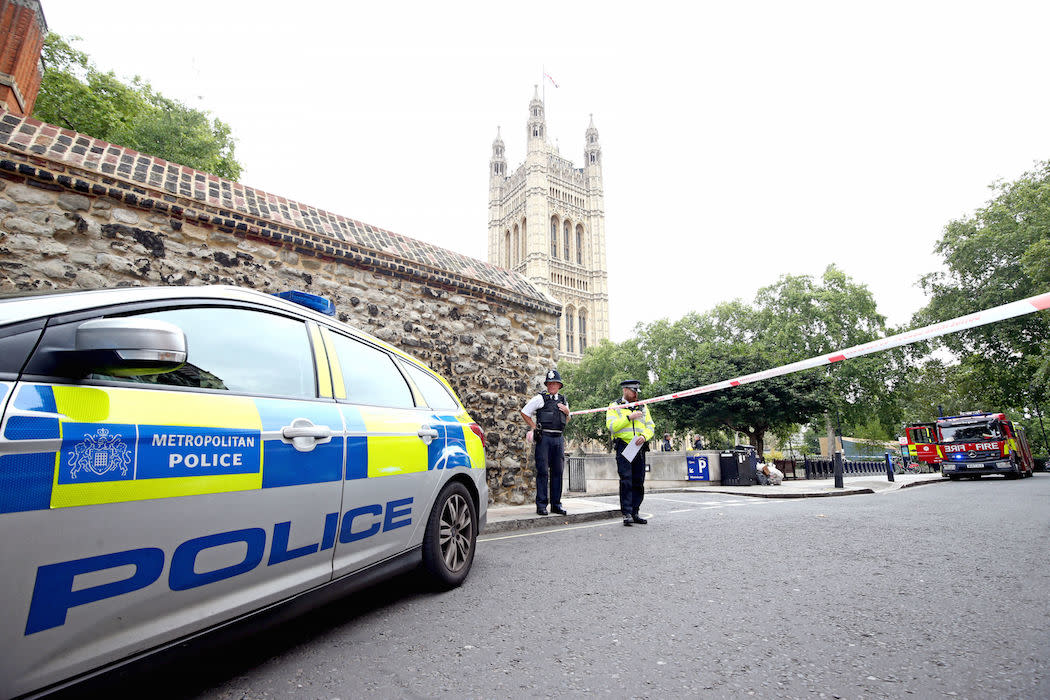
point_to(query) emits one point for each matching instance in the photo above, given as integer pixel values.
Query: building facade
(547, 221)
(22, 32)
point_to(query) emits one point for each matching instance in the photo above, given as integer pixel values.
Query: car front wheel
(451, 536)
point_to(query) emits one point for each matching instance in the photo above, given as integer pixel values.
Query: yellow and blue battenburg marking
(71, 446)
(283, 464)
(96, 446)
(450, 450)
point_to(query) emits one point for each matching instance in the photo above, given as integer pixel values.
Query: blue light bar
(310, 301)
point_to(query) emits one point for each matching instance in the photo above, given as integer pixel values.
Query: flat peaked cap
(631, 384)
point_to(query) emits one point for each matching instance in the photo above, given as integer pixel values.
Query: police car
(172, 459)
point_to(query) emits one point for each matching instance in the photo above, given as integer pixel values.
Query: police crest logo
(550, 375)
(100, 454)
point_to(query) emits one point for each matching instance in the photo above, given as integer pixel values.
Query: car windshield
(971, 432)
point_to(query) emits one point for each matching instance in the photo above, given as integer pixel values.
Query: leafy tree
(795, 318)
(803, 317)
(998, 255)
(776, 404)
(728, 341)
(77, 95)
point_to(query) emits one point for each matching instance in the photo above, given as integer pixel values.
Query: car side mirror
(127, 347)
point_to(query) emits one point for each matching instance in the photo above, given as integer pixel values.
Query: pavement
(584, 508)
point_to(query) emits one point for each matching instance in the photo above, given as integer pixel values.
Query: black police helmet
(553, 376)
(632, 384)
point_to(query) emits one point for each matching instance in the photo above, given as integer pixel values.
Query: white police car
(176, 458)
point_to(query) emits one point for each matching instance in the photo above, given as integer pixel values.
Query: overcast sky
(740, 140)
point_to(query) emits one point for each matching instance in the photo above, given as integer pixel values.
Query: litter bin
(738, 465)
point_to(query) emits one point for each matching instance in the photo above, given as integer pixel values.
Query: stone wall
(666, 470)
(68, 221)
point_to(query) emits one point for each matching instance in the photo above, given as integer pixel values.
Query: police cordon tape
(1023, 307)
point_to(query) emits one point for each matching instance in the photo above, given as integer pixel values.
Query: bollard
(838, 471)
(889, 467)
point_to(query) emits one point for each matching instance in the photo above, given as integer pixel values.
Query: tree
(729, 341)
(803, 317)
(796, 318)
(778, 404)
(76, 95)
(998, 255)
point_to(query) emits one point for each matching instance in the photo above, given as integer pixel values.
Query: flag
(548, 77)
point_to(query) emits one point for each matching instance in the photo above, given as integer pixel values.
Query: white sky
(740, 140)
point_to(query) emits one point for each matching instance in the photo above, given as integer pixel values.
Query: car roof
(33, 305)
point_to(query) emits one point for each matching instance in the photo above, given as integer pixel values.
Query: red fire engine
(974, 444)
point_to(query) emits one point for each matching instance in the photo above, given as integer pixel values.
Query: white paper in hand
(631, 450)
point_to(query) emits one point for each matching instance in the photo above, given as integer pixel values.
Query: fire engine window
(971, 433)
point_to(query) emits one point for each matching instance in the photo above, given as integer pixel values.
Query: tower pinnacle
(498, 164)
(592, 150)
(537, 124)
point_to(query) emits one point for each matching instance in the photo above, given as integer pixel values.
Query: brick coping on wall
(37, 150)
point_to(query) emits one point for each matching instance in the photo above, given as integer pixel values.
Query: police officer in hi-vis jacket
(546, 415)
(630, 425)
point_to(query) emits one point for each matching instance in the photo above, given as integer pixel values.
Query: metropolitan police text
(227, 459)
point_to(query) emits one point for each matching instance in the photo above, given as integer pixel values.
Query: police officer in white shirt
(546, 415)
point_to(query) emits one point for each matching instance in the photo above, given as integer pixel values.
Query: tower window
(568, 331)
(583, 330)
(514, 257)
(579, 245)
(554, 237)
(568, 237)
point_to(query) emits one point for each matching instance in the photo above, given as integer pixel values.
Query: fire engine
(973, 444)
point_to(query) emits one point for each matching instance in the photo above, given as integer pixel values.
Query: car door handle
(304, 435)
(427, 434)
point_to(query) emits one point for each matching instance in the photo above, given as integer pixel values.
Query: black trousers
(550, 458)
(632, 479)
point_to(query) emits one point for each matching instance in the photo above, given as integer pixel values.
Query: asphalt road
(936, 591)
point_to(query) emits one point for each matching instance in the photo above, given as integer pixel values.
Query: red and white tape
(1023, 307)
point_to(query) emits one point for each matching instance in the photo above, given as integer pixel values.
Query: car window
(238, 350)
(434, 392)
(370, 375)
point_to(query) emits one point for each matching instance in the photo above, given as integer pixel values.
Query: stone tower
(547, 221)
(22, 32)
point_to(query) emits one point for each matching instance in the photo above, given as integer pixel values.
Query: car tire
(451, 536)
(953, 477)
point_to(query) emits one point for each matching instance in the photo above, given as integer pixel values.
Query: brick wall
(22, 31)
(79, 213)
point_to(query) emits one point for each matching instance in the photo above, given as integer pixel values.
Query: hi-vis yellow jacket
(623, 428)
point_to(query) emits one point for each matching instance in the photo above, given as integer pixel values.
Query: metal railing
(823, 468)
